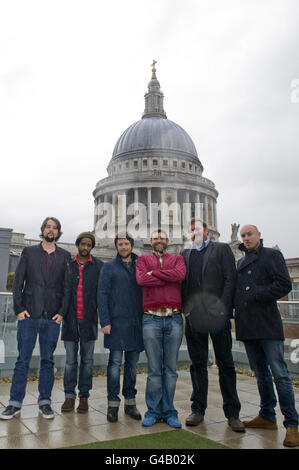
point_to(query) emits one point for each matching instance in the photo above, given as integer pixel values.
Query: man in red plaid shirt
(80, 325)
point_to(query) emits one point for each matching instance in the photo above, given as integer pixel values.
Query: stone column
(198, 207)
(136, 195)
(177, 217)
(215, 213)
(206, 210)
(212, 211)
(121, 215)
(163, 202)
(114, 200)
(186, 213)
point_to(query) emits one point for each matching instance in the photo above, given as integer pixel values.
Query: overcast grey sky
(73, 76)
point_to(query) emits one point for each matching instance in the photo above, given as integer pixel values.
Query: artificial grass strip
(177, 439)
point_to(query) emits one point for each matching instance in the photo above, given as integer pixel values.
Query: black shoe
(236, 424)
(46, 411)
(9, 412)
(112, 414)
(194, 419)
(132, 411)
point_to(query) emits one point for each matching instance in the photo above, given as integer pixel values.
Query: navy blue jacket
(90, 278)
(33, 293)
(120, 305)
(262, 279)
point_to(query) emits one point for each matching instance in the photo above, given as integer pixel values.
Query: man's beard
(84, 253)
(49, 239)
(125, 256)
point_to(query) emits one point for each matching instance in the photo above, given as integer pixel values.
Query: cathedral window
(144, 162)
(135, 164)
(165, 162)
(183, 165)
(155, 162)
(175, 164)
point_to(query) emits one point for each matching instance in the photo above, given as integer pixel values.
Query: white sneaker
(9, 412)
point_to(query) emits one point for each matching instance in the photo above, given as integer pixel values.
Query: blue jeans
(113, 377)
(70, 378)
(162, 337)
(265, 356)
(27, 331)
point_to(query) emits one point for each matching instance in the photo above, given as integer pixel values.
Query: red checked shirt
(80, 312)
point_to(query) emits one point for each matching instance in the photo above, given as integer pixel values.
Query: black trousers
(198, 345)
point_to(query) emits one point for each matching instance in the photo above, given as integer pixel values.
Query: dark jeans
(70, 378)
(198, 351)
(129, 380)
(265, 356)
(27, 331)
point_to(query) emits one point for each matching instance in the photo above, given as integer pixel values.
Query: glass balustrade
(8, 332)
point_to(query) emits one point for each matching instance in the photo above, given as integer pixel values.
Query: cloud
(73, 78)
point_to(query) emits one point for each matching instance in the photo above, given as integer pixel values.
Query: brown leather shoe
(292, 438)
(260, 423)
(194, 419)
(83, 405)
(68, 405)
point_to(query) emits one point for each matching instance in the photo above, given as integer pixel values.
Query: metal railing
(7, 314)
(289, 309)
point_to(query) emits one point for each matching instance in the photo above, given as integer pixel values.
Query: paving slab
(30, 430)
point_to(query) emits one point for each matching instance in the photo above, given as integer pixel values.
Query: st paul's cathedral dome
(155, 161)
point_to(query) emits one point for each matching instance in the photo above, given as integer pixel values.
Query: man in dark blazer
(263, 278)
(207, 303)
(80, 324)
(41, 295)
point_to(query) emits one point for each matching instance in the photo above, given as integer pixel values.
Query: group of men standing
(140, 302)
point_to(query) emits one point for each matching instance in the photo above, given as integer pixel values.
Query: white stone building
(154, 161)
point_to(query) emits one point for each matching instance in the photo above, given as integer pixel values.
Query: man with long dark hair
(41, 296)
